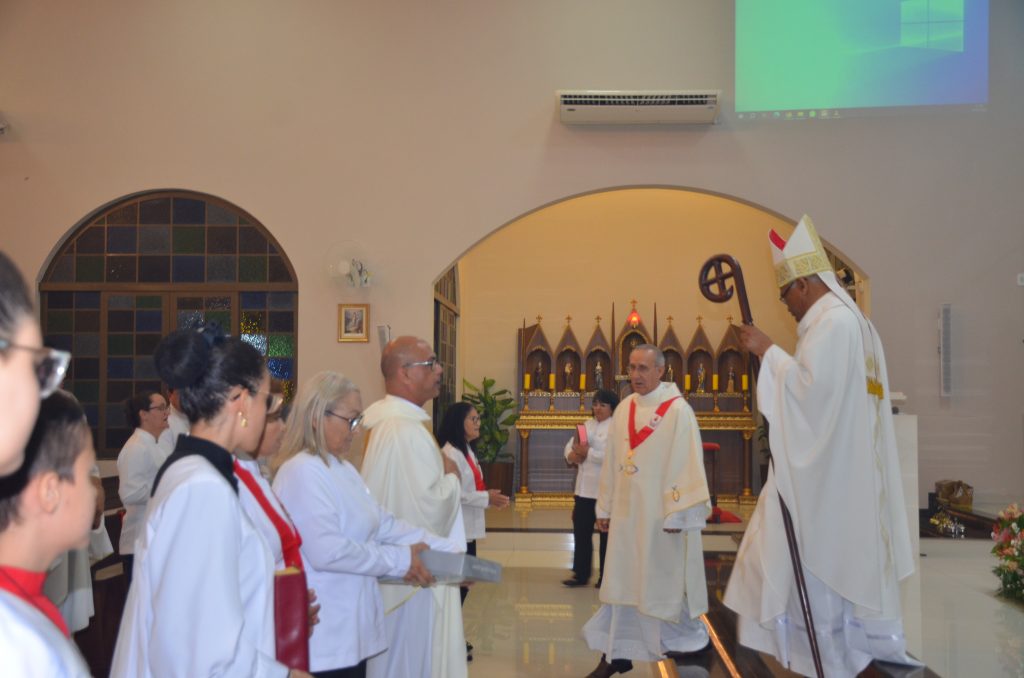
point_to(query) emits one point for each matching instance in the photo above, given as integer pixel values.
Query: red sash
(477, 475)
(638, 437)
(290, 539)
(28, 586)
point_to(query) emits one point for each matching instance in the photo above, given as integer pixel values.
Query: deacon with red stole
(406, 472)
(835, 465)
(653, 500)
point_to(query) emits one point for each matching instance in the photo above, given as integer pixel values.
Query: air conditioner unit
(641, 107)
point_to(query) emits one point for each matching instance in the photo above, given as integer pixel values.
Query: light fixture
(633, 319)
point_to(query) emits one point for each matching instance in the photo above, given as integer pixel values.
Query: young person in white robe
(348, 539)
(835, 464)
(201, 600)
(407, 473)
(654, 501)
(137, 463)
(46, 509)
(587, 457)
(28, 371)
(459, 429)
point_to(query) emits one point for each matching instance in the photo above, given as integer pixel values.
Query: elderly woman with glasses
(348, 539)
(137, 464)
(28, 372)
(201, 602)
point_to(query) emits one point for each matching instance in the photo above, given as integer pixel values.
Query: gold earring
(244, 421)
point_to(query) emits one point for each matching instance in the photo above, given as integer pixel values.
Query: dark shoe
(469, 651)
(573, 583)
(606, 670)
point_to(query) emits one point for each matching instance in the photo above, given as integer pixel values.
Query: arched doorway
(144, 265)
(578, 262)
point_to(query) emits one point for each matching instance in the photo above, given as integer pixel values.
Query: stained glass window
(134, 271)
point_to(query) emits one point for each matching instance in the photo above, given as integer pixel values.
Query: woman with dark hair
(459, 429)
(28, 372)
(202, 599)
(587, 456)
(137, 464)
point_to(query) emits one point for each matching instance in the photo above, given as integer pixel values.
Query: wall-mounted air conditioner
(640, 107)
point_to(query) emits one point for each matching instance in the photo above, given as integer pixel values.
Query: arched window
(146, 265)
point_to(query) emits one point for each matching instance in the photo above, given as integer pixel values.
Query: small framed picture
(353, 322)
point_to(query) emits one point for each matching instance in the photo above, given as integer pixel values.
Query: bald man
(406, 472)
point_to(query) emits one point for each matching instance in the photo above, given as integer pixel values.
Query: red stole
(478, 476)
(638, 437)
(28, 586)
(290, 539)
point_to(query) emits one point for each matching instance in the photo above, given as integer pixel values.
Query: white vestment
(402, 467)
(31, 646)
(654, 589)
(137, 463)
(348, 541)
(835, 464)
(201, 597)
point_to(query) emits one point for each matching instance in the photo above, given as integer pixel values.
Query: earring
(244, 421)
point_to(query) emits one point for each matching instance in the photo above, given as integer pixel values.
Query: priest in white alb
(653, 500)
(406, 472)
(834, 463)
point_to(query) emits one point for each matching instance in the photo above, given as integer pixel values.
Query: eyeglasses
(475, 419)
(353, 423)
(158, 408)
(424, 363)
(51, 365)
(785, 291)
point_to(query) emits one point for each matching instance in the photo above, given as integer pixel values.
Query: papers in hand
(454, 568)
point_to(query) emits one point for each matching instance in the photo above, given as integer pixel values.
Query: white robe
(348, 541)
(654, 588)
(31, 646)
(402, 467)
(201, 598)
(137, 463)
(836, 466)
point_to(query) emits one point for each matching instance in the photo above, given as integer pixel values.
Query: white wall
(419, 128)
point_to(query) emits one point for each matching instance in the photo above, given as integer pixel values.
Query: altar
(558, 385)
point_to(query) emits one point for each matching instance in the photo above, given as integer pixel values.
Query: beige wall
(417, 129)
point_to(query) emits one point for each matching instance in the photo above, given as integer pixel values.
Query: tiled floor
(529, 624)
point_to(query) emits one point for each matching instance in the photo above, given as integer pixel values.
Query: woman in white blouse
(348, 539)
(201, 602)
(459, 429)
(137, 464)
(587, 457)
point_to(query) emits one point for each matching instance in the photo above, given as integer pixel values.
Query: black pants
(127, 562)
(471, 550)
(357, 671)
(584, 515)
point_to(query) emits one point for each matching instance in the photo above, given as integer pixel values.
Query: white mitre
(801, 256)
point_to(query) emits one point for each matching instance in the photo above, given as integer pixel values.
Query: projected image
(823, 58)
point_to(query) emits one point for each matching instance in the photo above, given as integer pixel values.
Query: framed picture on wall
(353, 322)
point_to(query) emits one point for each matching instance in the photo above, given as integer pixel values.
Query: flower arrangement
(1008, 535)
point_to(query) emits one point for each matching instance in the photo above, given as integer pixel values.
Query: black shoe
(469, 646)
(606, 670)
(573, 583)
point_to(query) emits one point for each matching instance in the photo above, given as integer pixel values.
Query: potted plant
(492, 407)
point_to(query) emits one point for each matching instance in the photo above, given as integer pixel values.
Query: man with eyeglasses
(833, 448)
(407, 473)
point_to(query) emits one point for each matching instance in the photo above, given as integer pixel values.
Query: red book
(581, 434)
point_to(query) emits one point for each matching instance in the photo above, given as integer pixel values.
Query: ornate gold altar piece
(558, 385)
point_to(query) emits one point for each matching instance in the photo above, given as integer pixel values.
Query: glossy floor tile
(529, 625)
